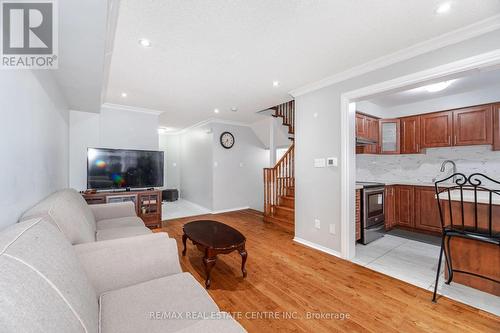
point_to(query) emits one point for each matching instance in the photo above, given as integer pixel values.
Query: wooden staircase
(279, 181)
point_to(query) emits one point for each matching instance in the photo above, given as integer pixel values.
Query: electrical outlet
(332, 229)
(317, 223)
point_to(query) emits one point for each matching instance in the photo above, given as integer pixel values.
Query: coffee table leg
(244, 256)
(184, 239)
(209, 263)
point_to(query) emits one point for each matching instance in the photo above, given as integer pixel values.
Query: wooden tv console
(147, 203)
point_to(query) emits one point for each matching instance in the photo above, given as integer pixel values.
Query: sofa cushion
(122, 232)
(69, 212)
(149, 303)
(131, 221)
(43, 286)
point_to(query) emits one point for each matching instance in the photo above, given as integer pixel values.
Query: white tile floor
(181, 208)
(416, 263)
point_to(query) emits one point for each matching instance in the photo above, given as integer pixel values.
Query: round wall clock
(227, 140)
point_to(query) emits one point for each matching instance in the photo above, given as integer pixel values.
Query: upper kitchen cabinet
(410, 135)
(389, 136)
(436, 129)
(367, 129)
(496, 127)
(473, 126)
(361, 128)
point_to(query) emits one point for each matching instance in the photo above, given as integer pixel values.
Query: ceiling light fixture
(124, 94)
(276, 83)
(144, 42)
(216, 110)
(443, 8)
(234, 109)
(435, 87)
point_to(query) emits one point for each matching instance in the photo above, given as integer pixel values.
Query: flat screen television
(123, 169)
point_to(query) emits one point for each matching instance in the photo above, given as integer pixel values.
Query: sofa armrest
(113, 210)
(119, 263)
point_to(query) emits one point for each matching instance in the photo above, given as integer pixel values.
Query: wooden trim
(496, 126)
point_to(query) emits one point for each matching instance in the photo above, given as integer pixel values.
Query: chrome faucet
(443, 167)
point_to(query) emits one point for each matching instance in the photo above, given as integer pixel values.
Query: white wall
(170, 145)
(197, 166)
(317, 191)
(111, 128)
(262, 130)
(34, 144)
(237, 178)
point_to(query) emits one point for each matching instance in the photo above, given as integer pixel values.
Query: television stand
(147, 203)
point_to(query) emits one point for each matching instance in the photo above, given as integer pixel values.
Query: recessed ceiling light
(163, 130)
(437, 86)
(144, 42)
(443, 8)
(216, 110)
(124, 94)
(234, 109)
(276, 83)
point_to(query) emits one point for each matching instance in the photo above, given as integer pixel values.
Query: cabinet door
(389, 207)
(426, 209)
(473, 126)
(410, 135)
(404, 206)
(436, 129)
(361, 128)
(389, 136)
(372, 134)
(496, 127)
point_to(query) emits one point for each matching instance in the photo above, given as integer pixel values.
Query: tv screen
(118, 168)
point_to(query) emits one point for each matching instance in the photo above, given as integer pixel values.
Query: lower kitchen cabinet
(426, 209)
(389, 207)
(405, 203)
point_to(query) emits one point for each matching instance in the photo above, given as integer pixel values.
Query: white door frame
(348, 144)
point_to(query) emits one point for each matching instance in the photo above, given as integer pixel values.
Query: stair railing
(277, 179)
(287, 112)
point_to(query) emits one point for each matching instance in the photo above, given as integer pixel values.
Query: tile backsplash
(425, 167)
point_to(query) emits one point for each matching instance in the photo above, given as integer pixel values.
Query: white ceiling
(223, 54)
(471, 82)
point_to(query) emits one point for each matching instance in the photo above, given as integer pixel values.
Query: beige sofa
(123, 285)
(83, 223)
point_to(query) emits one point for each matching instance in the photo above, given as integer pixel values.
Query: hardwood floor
(286, 278)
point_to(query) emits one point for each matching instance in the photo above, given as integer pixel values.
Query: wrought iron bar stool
(481, 224)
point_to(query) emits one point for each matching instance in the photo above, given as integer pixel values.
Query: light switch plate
(332, 229)
(317, 223)
(319, 163)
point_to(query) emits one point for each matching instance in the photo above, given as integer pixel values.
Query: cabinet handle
(449, 139)
(455, 139)
(418, 148)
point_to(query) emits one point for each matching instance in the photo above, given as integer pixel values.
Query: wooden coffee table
(213, 238)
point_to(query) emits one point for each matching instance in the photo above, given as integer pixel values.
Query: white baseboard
(317, 247)
(229, 210)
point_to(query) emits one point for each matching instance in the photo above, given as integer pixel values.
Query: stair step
(279, 221)
(284, 213)
(287, 201)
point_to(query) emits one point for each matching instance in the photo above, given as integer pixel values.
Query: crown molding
(449, 38)
(131, 108)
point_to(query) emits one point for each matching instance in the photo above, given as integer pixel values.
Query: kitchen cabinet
(361, 128)
(389, 136)
(426, 209)
(410, 135)
(496, 127)
(473, 126)
(367, 127)
(404, 205)
(389, 213)
(436, 129)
